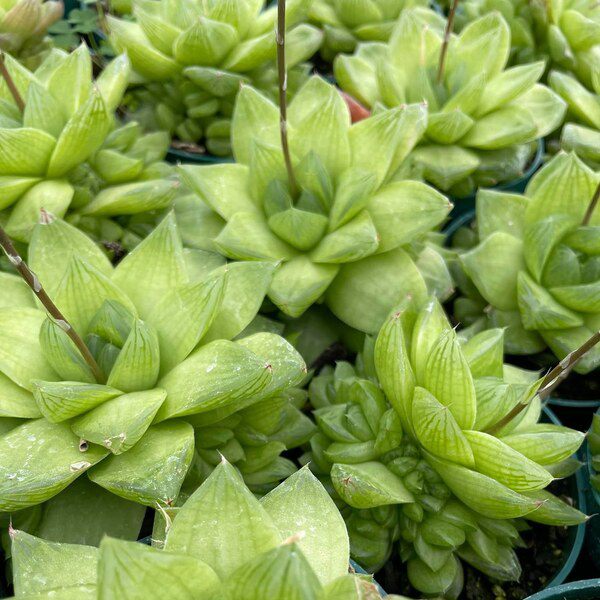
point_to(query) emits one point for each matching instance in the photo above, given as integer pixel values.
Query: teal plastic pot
(588, 589)
(360, 570)
(575, 539)
(181, 156)
(593, 527)
(466, 204)
(456, 223)
(566, 403)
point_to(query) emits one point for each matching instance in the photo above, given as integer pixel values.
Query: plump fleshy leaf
(448, 377)
(41, 459)
(493, 266)
(498, 460)
(218, 374)
(301, 504)
(437, 429)
(51, 248)
(81, 137)
(163, 250)
(281, 573)
(62, 400)
(222, 523)
(119, 423)
(138, 364)
(363, 293)
(136, 571)
(39, 565)
(153, 470)
(402, 210)
(84, 513)
(368, 484)
(482, 493)
(21, 357)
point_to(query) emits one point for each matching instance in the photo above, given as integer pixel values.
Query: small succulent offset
(537, 263)
(345, 23)
(158, 328)
(581, 132)
(343, 230)
(191, 58)
(483, 118)
(24, 28)
(426, 442)
(222, 544)
(63, 149)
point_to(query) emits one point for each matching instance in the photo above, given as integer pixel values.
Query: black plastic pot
(589, 589)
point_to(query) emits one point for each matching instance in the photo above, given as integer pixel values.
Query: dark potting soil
(540, 561)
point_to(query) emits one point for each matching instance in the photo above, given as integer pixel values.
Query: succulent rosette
(24, 28)
(351, 236)
(536, 262)
(190, 59)
(345, 23)
(159, 327)
(66, 152)
(483, 117)
(581, 132)
(222, 544)
(565, 34)
(417, 442)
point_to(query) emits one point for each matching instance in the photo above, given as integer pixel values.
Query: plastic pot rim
(560, 592)
(576, 536)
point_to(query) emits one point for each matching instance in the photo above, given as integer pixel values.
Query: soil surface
(540, 561)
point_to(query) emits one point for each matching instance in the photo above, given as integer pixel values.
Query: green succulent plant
(483, 118)
(566, 34)
(349, 231)
(345, 23)
(65, 151)
(24, 27)
(191, 58)
(159, 327)
(535, 265)
(416, 441)
(581, 132)
(223, 543)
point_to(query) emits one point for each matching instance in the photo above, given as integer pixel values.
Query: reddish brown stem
(11, 84)
(34, 283)
(447, 34)
(552, 380)
(591, 207)
(282, 72)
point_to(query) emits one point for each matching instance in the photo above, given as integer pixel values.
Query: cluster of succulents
(565, 34)
(483, 118)
(24, 28)
(417, 443)
(346, 23)
(65, 151)
(222, 543)
(160, 339)
(174, 389)
(347, 229)
(191, 58)
(534, 268)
